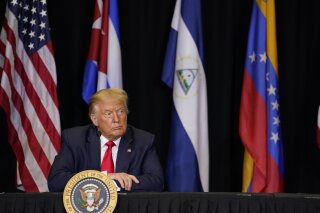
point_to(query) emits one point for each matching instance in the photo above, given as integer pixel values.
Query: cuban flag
(188, 166)
(103, 66)
(259, 128)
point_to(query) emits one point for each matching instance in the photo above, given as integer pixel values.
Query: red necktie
(107, 162)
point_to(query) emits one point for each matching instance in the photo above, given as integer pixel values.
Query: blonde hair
(115, 94)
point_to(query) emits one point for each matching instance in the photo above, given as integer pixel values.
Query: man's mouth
(117, 128)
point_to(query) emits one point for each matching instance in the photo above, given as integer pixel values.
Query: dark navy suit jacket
(81, 151)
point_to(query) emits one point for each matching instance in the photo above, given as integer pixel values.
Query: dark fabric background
(144, 33)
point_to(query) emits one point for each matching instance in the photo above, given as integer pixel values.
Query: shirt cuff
(115, 184)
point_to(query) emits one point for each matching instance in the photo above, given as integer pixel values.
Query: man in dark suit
(134, 166)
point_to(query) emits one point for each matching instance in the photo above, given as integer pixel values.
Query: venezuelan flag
(260, 130)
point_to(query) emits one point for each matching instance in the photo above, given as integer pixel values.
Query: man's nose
(115, 117)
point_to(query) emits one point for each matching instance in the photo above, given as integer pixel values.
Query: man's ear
(94, 119)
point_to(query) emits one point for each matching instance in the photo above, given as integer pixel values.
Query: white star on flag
(43, 13)
(14, 2)
(31, 34)
(33, 22)
(42, 25)
(276, 120)
(34, 10)
(263, 57)
(41, 37)
(31, 46)
(252, 57)
(275, 105)
(271, 90)
(26, 7)
(274, 137)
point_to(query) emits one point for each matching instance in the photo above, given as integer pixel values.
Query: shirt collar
(104, 140)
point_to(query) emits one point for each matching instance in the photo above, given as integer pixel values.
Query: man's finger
(134, 179)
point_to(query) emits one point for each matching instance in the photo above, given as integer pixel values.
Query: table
(167, 202)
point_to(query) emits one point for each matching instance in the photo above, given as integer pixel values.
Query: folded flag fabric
(103, 66)
(259, 128)
(28, 92)
(188, 158)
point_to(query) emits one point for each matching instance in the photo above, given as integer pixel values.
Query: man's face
(111, 119)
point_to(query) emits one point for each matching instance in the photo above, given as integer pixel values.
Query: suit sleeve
(62, 168)
(151, 178)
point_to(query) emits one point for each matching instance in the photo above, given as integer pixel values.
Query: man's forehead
(110, 105)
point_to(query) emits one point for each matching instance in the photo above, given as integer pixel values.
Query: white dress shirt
(104, 147)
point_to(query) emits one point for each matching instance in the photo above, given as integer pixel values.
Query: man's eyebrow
(109, 110)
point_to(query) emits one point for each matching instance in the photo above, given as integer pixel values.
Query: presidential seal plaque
(90, 191)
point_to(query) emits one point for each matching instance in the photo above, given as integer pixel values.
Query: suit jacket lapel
(93, 149)
(125, 152)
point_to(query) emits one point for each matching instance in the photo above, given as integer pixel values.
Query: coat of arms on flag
(186, 78)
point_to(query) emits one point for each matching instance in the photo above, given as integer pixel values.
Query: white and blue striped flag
(188, 158)
(103, 66)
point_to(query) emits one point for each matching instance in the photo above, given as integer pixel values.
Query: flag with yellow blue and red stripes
(260, 130)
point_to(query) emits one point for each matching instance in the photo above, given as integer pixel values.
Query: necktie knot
(110, 144)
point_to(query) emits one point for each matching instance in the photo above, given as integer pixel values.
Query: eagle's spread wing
(83, 195)
(97, 195)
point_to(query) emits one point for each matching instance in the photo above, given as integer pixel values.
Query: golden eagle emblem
(90, 195)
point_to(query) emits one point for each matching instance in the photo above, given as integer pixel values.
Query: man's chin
(118, 132)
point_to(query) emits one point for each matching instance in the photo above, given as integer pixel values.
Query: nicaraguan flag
(260, 129)
(188, 166)
(103, 66)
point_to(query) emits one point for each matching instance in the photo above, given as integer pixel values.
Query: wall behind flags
(144, 27)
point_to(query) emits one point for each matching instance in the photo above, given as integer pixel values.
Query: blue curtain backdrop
(144, 27)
